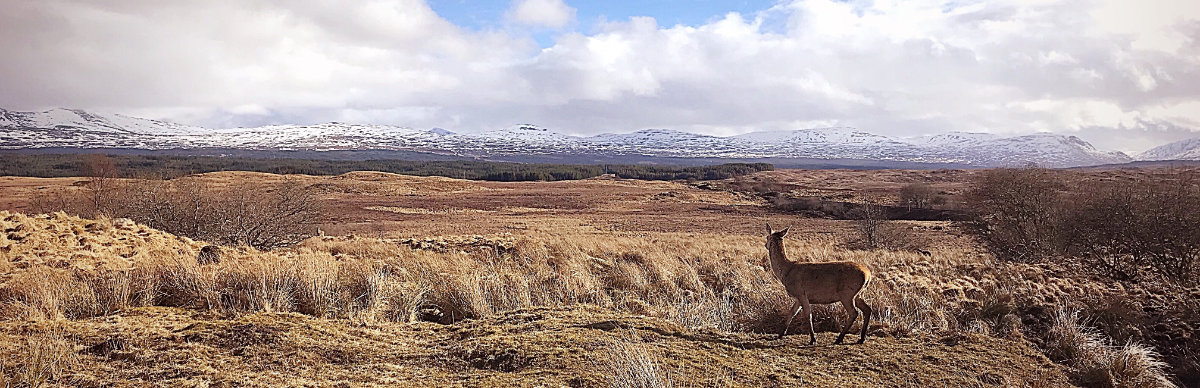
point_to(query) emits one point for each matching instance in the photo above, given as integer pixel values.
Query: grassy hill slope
(580, 346)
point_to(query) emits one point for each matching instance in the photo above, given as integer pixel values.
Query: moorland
(1006, 277)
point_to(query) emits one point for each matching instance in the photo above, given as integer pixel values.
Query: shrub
(1019, 211)
(1121, 228)
(263, 216)
(920, 195)
(1127, 227)
(876, 231)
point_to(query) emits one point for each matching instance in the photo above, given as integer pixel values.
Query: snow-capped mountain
(80, 129)
(954, 139)
(668, 142)
(1045, 149)
(1188, 149)
(74, 119)
(838, 143)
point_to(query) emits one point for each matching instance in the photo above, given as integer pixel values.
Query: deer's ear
(783, 232)
(769, 230)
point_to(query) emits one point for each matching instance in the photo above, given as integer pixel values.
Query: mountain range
(69, 128)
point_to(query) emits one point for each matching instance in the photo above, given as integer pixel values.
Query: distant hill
(65, 128)
(1188, 149)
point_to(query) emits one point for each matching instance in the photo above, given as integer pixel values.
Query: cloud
(898, 68)
(541, 13)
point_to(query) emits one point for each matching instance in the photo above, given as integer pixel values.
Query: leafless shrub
(102, 186)
(1122, 228)
(1125, 228)
(55, 200)
(264, 216)
(920, 195)
(876, 231)
(1020, 212)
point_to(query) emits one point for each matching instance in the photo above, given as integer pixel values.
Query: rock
(210, 254)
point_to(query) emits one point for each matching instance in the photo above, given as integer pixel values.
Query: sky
(1124, 75)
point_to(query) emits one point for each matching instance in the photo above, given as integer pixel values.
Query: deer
(819, 283)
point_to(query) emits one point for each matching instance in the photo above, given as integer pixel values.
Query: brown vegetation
(257, 214)
(663, 275)
(920, 195)
(1127, 229)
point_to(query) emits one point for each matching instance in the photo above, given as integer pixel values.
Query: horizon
(215, 130)
(1120, 76)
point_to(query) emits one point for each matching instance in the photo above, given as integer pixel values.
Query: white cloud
(893, 67)
(542, 13)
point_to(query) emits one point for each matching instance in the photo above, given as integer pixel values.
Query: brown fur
(820, 283)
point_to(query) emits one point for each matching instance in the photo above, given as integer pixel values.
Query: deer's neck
(778, 260)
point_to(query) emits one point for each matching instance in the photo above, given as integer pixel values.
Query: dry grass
(633, 364)
(163, 346)
(37, 358)
(56, 268)
(697, 280)
(1094, 362)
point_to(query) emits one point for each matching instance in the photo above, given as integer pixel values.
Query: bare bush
(1122, 228)
(102, 186)
(921, 196)
(1127, 227)
(1020, 212)
(260, 215)
(876, 231)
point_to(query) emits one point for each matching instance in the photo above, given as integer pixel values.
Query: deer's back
(826, 282)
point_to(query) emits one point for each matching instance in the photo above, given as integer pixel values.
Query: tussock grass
(1094, 362)
(37, 359)
(700, 281)
(632, 364)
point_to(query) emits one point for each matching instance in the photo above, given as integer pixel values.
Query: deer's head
(774, 240)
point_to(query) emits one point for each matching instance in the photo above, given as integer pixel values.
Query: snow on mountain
(833, 135)
(835, 143)
(328, 136)
(517, 139)
(1045, 149)
(957, 139)
(94, 122)
(669, 142)
(1188, 149)
(80, 129)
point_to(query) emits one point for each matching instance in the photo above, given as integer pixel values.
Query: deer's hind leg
(808, 312)
(851, 313)
(791, 315)
(866, 317)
